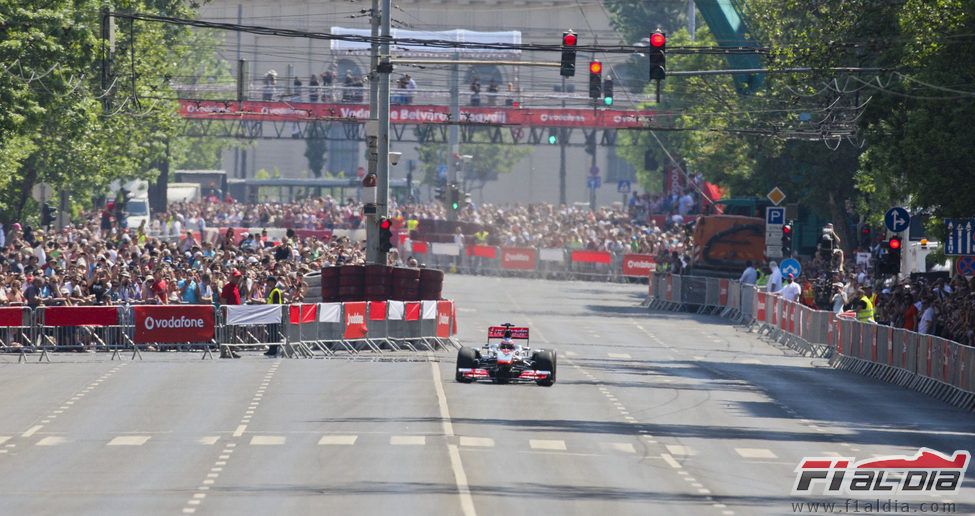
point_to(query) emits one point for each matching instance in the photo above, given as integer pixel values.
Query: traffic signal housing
(553, 136)
(440, 193)
(453, 198)
(595, 79)
(787, 238)
(385, 235)
(658, 56)
(48, 214)
(608, 91)
(865, 237)
(568, 66)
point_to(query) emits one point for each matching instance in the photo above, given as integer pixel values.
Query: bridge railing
(927, 363)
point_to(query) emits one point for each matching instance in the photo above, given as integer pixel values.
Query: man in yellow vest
(863, 306)
(480, 239)
(274, 297)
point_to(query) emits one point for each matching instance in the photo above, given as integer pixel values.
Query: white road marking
(129, 440)
(268, 440)
(622, 356)
(51, 441)
(200, 495)
(571, 353)
(32, 430)
(751, 361)
(4, 438)
(210, 440)
(460, 477)
(347, 440)
(704, 491)
(756, 453)
(620, 447)
(408, 440)
(484, 442)
(542, 444)
(239, 431)
(670, 460)
(676, 449)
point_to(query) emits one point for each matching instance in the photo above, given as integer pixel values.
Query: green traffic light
(454, 206)
(608, 101)
(553, 140)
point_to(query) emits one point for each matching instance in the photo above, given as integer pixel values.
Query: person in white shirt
(791, 290)
(750, 275)
(926, 325)
(775, 279)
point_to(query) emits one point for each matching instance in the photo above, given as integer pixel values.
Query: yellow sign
(776, 196)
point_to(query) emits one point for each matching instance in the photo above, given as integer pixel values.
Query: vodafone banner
(444, 309)
(518, 258)
(591, 256)
(173, 324)
(638, 264)
(355, 320)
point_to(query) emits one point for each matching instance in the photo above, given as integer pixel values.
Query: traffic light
(865, 237)
(440, 193)
(553, 136)
(658, 56)
(453, 199)
(568, 67)
(591, 143)
(595, 79)
(890, 261)
(385, 235)
(608, 91)
(48, 214)
(787, 238)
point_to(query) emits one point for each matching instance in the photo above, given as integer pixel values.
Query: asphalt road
(653, 413)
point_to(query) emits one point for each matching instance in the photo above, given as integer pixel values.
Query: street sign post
(773, 251)
(774, 220)
(897, 219)
(774, 216)
(959, 241)
(594, 171)
(594, 182)
(790, 266)
(776, 195)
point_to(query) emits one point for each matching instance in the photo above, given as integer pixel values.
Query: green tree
(315, 149)
(487, 160)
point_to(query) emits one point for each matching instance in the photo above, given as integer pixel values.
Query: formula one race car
(504, 361)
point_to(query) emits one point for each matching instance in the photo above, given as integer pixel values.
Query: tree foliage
(487, 160)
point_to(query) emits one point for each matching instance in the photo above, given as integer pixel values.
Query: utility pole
(452, 132)
(372, 135)
(381, 142)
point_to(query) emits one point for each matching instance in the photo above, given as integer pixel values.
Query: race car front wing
(529, 374)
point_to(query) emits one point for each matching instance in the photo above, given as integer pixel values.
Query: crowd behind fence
(922, 362)
(298, 330)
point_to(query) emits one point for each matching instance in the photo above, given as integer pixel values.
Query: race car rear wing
(497, 332)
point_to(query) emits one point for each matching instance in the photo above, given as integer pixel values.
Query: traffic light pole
(380, 155)
(562, 200)
(453, 133)
(371, 222)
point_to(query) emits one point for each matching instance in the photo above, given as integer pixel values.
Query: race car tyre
(546, 361)
(467, 359)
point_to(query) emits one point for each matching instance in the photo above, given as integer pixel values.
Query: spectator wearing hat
(791, 290)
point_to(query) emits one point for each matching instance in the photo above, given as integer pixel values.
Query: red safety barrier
(303, 313)
(419, 247)
(592, 257)
(723, 292)
(377, 310)
(760, 315)
(641, 265)
(873, 342)
(80, 316)
(356, 326)
(670, 288)
(173, 324)
(412, 311)
(775, 311)
(518, 258)
(12, 316)
(483, 251)
(792, 317)
(444, 311)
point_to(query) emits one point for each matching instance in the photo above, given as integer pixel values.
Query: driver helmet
(507, 343)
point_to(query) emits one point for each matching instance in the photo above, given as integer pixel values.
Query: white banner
(395, 310)
(428, 309)
(448, 249)
(253, 314)
(551, 255)
(330, 312)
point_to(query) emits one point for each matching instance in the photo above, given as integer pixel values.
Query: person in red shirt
(910, 315)
(230, 295)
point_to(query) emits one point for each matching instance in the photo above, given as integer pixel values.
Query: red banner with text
(638, 264)
(355, 320)
(519, 258)
(444, 311)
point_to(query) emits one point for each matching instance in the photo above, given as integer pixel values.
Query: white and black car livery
(505, 361)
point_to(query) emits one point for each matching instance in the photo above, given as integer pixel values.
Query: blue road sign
(966, 265)
(790, 266)
(595, 182)
(774, 215)
(442, 172)
(594, 171)
(959, 240)
(897, 219)
(623, 186)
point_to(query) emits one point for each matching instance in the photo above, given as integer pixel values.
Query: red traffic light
(385, 224)
(787, 230)
(569, 40)
(595, 67)
(895, 243)
(658, 40)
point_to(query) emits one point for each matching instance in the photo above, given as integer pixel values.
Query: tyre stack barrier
(932, 365)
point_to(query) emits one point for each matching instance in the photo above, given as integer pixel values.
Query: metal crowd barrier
(930, 364)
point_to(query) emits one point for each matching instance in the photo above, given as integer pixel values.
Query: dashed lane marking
(483, 442)
(51, 441)
(542, 444)
(621, 356)
(670, 460)
(268, 440)
(4, 438)
(756, 453)
(209, 440)
(676, 449)
(129, 440)
(408, 440)
(32, 430)
(345, 440)
(240, 430)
